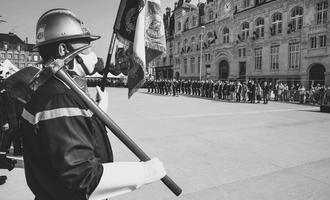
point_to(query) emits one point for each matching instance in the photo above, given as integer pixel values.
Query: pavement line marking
(221, 114)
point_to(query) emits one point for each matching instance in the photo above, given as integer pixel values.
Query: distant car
(325, 104)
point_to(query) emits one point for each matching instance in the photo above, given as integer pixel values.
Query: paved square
(219, 150)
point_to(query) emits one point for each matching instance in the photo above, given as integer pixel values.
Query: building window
(194, 21)
(192, 64)
(323, 40)
(276, 27)
(185, 65)
(185, 45)
(22, 56)
(16, 56)
(258, 59)
(260, 28)
(241, 52)
(245, 31)
(164, 61)
(35, 58)
(246, 3)
(294, 56)
(6, 47)
(210, 37)
(179, 26)
(178, 47)
(313, 42)
(322, 12)
(18, 48)
(186, 25)
(274, 57)
(225, 34)
(193, 43)
(2, 55)
(296, 21)
(210, 15)
(22, 65)
(178, 61)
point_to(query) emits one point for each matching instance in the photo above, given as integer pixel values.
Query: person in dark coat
(266, 91)
(67, 153)
(253, 92)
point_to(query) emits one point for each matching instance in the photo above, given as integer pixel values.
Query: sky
(21, 17)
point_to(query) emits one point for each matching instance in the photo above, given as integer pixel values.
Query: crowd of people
(239, 91)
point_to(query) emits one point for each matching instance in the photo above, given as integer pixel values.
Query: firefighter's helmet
(58, 25)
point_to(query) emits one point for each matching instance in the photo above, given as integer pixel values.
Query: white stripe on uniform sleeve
(55, 113)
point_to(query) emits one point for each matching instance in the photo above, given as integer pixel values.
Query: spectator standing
(265, 92)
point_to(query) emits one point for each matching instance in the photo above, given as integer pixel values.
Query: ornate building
(17, 51)
(248, 39)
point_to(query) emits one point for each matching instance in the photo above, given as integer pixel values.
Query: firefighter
(67, 154)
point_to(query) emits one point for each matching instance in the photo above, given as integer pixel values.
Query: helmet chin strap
(82, 64)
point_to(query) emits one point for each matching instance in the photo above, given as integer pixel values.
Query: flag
(139, 25)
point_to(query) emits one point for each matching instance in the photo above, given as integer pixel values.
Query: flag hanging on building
(139, 25)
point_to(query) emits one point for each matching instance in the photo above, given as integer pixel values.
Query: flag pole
(116, 130)
(108, 62)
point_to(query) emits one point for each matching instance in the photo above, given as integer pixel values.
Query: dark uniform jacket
(64, 144)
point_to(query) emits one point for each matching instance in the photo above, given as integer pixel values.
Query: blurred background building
(247, 39)
(19, 52)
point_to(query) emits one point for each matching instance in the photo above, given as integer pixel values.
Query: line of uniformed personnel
(240, 91)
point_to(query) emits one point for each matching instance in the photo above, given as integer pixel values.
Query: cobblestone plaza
(219, 150)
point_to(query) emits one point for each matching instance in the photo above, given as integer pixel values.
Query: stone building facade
(270, 40)
(17, 51)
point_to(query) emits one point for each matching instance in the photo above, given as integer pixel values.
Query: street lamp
(201, 58)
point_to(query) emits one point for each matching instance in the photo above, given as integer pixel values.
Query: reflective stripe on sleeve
(55, 113)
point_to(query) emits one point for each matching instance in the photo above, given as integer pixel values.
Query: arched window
(245, 30)
(178, 47)
(260, 28)
(225, 35)
(296, 19)
(276, 27)
(193, 43)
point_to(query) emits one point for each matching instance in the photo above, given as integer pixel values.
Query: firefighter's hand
(102, 99)
(5, 127)
(153, 170)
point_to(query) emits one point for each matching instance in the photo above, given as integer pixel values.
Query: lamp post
(201, 58)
